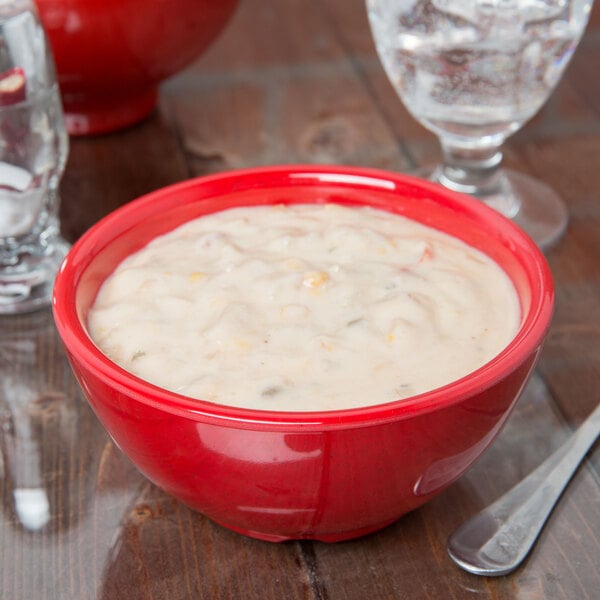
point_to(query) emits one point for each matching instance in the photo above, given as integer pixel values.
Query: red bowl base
(103, 114)
(337, 536)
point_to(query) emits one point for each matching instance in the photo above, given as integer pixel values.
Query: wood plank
(165, 550)
(313, 109)
(104, 172)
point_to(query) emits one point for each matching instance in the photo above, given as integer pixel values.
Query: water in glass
(476, 70)
(473, 72)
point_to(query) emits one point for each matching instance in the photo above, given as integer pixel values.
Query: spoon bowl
(497, 540)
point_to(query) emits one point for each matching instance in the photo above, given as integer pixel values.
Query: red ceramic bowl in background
(322, 475)
(111, 55)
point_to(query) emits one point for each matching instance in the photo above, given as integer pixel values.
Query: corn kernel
(196, 276)
(242, 344)
(314, 279)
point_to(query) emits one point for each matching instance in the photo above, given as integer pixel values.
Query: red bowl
(321, 475)
(110, 55)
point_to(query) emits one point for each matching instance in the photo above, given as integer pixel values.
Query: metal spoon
(495, 541)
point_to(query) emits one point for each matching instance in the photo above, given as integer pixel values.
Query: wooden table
(296, 81)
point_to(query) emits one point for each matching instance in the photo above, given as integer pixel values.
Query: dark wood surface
(297, 81)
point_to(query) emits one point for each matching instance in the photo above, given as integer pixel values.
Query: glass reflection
(26, 400)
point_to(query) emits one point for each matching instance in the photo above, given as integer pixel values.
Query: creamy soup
(304, 307)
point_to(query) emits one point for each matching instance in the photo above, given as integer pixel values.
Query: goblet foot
(537, 208)
(531, 204)
(27, 285)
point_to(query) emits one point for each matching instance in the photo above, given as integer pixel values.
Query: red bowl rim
(82, 349)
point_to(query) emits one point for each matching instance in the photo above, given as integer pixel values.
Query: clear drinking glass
(33, 151)
(473, 72)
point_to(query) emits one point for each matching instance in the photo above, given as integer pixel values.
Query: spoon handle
(495, 541)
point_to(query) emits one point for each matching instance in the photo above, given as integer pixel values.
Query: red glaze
(110, 55)
(330, 475)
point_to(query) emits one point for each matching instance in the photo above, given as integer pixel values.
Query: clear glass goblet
(33, 151)
(473, 72)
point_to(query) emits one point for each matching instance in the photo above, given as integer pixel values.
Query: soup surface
(304, 307)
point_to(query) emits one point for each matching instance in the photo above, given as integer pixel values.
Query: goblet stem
(476, 171)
